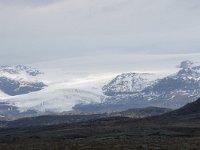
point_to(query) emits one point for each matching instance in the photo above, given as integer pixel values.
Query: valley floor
(107, 134)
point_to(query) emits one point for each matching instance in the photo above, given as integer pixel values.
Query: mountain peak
(186, 64)
(127, 83)
(189, 69)
(17, 69)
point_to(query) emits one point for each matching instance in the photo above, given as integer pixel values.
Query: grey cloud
(76, 28)
(28, 2)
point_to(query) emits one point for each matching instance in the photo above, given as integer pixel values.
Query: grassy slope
(112, 133)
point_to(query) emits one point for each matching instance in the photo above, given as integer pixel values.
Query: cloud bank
(36, 30)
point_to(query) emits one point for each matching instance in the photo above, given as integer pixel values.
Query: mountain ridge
(125, 91)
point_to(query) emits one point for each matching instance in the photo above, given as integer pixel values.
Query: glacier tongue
(55, 101)
(62, 94)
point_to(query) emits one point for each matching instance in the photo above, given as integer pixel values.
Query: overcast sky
(41, 30)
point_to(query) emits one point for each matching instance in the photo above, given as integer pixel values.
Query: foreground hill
(47, 120)
(142, 112)
(189, 109)
(161, 132)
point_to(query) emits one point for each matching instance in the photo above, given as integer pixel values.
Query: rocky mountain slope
(173, 91)
(127, 83)
(17, 80)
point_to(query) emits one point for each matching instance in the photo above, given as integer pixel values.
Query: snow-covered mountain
(187, 79)
(60, 91)
(171, 91)
(17, 80)
(28, 90)
(127, 83)
(17, 87)
(19, 70)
